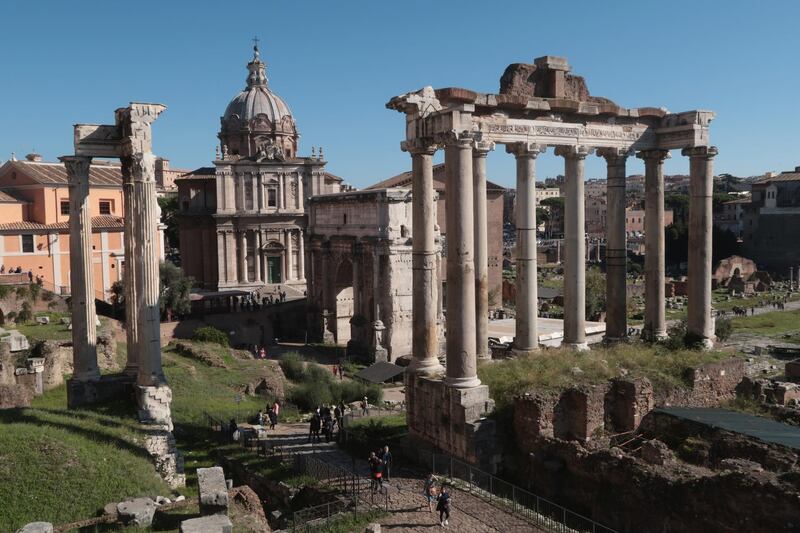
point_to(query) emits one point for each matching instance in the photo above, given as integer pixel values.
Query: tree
(595, 293)
(175, 288)
(679, 203)
(169, 217)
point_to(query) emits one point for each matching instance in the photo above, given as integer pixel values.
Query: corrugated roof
(380, 372)
(404, 180)
(98, 222)
(100, 174)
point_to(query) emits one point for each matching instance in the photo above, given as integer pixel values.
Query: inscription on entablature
(566, 131)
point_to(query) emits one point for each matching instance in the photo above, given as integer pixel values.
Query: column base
(524, 352)
(154, 402)
(705, 344)
(84, 393)
(616, 340)
(577, 346)
(462, 383)
(429, 366)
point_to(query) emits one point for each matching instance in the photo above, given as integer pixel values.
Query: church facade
(243, 221)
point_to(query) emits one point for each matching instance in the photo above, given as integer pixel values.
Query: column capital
(614, 155)
(653, 155)
(461, 139)
(77, 166)
(525, 149)
(703, 152)
(482, 148)
(574, 152)
(420, 145)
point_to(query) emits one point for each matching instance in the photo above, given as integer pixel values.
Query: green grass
(349, 523)
(552, 368)
(61, 466)
(45, 332)
(769, 324)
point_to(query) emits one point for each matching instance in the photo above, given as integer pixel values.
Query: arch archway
(345, 304)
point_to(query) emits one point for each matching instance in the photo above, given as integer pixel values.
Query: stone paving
(407, 507)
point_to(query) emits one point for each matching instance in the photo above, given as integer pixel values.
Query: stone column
(655, 314)
(301, 256)
(280, 204)
(701, 172)
(230, 250)
(254, 186)
(526, 340)
(241, 237)
(289, 255)
(299, 199)
(257, 255)
(425, 276)
(461, 370)
(574, 248)
(480, 150)
(129, 276)
(84, 328)
(616, 246)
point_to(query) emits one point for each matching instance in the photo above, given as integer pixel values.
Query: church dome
(257, 117)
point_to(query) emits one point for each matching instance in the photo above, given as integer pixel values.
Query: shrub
(34, 290)
(723, 329)
(22, 292)
(11, 315)
(47, 296)
(5, 290)
(25, 314)
(211, 334)
(676, 339)
(308, 396)
(293, 366)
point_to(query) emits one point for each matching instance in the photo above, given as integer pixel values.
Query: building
(34, 222)
(634, 220)
(359, 285)
(731, 216)
(494, 214)
(595, 208)
(510, 200)
(771, 221)
(242, 222)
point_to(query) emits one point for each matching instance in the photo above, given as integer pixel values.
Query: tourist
(30, 276)
(259, 418)
(232, 430)
(429, 490)
(2, 269)
(333, 369)
(443, 506)
(327, 428)
(341, 372)
(273, 418)
(262, 353)
(386, 457)
(364, 407)
(376, 470)
(337, 414)
(313, 432)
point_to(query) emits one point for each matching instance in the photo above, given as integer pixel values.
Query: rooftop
(404, 180)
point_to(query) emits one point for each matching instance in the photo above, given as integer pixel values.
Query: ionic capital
(460, 139)
(578, 152)
(703, 152)
(482, 148)
(77, 167)
(653, 155)
(419, 145)
(525, 149)
(614, 156)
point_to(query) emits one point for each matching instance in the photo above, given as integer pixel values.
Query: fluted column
(289, 255)
(129, 276)
(301, 256)
(574, 247)
(700, 323)
(527, 333)
(480, 150)
(232, 262)
(257, 255)
(84, 329)
(461, 370)
(655, 313)
(425, 274)
(242, 243)
(616, 245)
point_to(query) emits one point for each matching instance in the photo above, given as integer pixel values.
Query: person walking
(277, 408)
(341, 372)
(429, 490)
(386, 457)
(443, 506)
(376, 471)
(313, 431)
(273, 418)
(364, 407)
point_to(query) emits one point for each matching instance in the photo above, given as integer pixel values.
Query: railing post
(514, 496)
(491, 487)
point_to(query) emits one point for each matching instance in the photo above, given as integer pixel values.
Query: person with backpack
(386, 457)
(429, 490)
(443, 506)
(376, 470)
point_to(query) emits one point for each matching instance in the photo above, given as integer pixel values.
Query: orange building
(34, 222)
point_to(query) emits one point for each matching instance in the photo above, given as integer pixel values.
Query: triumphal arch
(539, 105)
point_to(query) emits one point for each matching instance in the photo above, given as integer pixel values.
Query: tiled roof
(100, 174)
(199, 173)
(6, 198)
(404, 180)
(98, 222)
(783, 176)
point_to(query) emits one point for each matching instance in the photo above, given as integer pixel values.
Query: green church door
(273, 269)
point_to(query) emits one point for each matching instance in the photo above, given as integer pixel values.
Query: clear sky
(337, 63)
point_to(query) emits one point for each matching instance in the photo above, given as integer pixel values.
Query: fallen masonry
(216, 523)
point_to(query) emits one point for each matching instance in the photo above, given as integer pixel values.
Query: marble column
(700, 323)
(526, 340)
(129, 275)
(480, 150)
(232, 262)
(425, 274)
(257, 255)
(616, 245)
(574, 247)
(301, 256)
(461, 370)
(242, 244)
(655, 313)
(84, 329)
(289, 255)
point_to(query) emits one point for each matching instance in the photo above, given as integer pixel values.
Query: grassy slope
(553, 368)
(61, 466)
(769, 324)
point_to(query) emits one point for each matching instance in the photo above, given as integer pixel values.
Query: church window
(272, 197)
(27, 244)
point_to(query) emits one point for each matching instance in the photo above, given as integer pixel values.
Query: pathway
(407, 508)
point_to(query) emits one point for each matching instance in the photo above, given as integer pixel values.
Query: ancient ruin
(538, 105)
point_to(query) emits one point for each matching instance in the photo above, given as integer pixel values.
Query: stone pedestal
(153, 403)
(379, 353)
(85, 393)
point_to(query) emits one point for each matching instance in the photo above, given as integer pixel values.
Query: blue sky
(338, 63)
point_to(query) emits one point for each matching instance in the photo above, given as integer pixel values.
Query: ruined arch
(345, 302)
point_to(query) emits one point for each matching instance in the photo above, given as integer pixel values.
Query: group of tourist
(18, 270)
(439, 495)
(326, 421)
(380, 464)
(261, 419)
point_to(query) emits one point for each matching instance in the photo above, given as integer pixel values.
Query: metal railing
(536, 509)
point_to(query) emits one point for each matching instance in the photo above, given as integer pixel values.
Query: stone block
(656, 452)
(42, 320)
(15, 395)
(37, 527)
(793, 370)
(208, 524)
(65, 321)
(81, 393)
(154, 405)
(137, 512)
(373, 528)
(213, 490)
(16, 341)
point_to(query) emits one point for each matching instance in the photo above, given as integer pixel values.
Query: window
(65, 207)
(272, 197)
(105, 207)
(27, 244)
